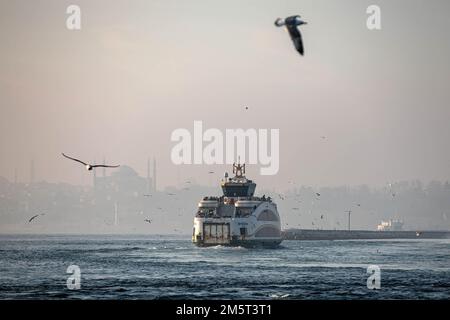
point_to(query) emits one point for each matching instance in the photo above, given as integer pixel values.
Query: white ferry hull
(229, 232)
(238, 218)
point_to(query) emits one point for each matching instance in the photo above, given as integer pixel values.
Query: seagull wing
(296, 38)
(74, 159)
(103, 166)
(33, 217)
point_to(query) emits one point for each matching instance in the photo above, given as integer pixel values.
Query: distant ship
(237, 218)
(391, 225)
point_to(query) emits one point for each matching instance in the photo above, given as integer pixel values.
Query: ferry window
(243, 212)
(225, 211)
(267, 215)
(235, 191)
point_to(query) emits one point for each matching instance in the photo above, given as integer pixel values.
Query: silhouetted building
(154, 174)
(124, 180)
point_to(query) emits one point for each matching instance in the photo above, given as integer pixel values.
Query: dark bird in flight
(317, 194)
(88, 166)
(35, 216)
(292, 24)
(148, 220)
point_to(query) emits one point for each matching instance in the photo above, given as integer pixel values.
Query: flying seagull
(35, 216)
(292, 24)
(88, 166)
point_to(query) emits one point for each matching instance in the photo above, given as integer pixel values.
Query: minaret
(349, 213)
(154, 174)
(149, 180)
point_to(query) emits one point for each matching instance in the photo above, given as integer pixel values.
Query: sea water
(171, 267)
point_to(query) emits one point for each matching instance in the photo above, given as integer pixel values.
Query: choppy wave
(146, 268)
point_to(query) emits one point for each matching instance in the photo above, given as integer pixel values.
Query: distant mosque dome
(124, 171)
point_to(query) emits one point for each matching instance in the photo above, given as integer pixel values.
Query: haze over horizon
(136, 71)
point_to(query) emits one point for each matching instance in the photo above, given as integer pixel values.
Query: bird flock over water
(321, 217)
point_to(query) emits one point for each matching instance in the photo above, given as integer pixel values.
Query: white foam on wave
(279, 295)
(326, 265)
(218, 247)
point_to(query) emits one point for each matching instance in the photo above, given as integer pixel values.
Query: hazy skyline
(138, 70)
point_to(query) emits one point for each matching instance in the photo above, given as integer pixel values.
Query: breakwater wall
(309, 234)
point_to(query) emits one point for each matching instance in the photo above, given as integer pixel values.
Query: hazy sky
(140, 69)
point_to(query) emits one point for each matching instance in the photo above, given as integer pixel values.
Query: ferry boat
(237, 218)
